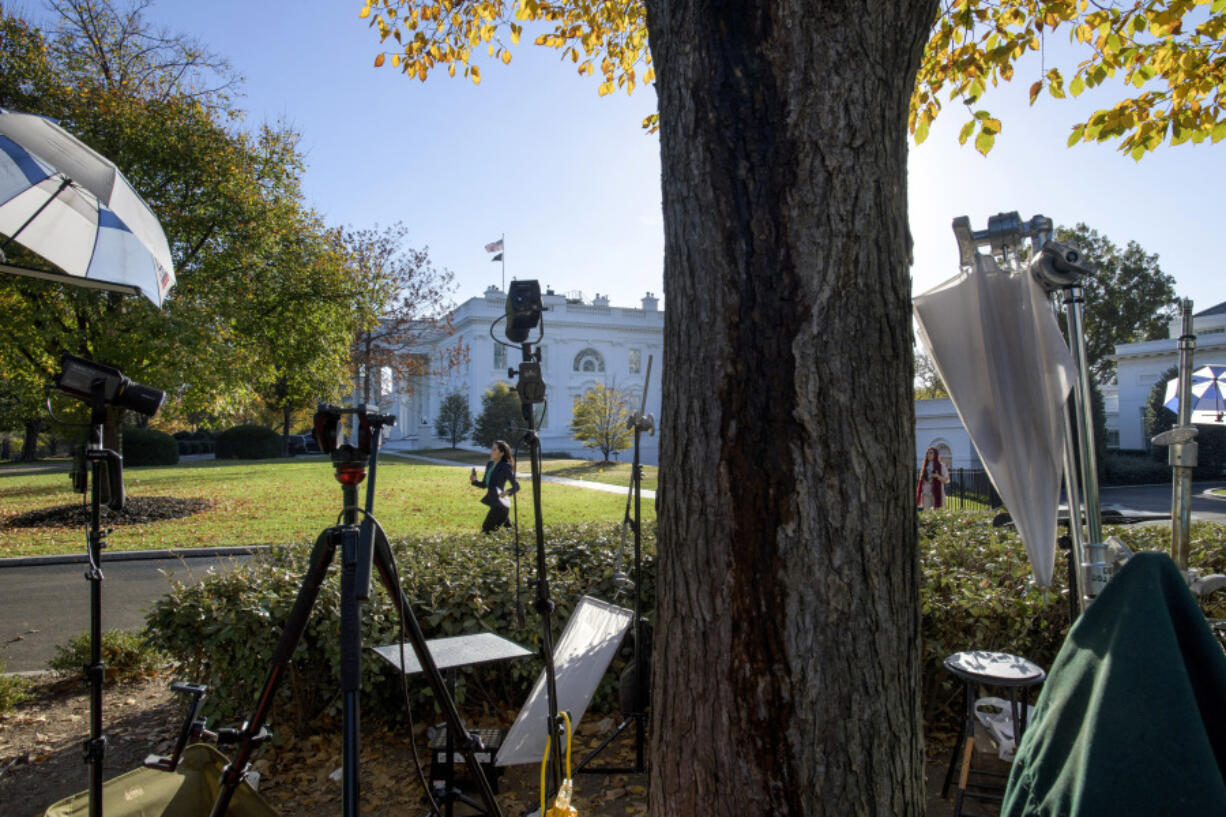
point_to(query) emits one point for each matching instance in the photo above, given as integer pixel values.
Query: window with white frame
(636, 361)
(589, 360)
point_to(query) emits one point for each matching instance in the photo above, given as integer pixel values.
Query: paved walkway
(574, 483)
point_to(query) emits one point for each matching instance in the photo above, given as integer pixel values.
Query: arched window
(589, 360)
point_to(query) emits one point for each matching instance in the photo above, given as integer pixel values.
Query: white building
(584, 343)
(1141, 365)
(938, 426)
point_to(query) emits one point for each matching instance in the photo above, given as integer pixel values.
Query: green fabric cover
(1132, 719)
(189, 791)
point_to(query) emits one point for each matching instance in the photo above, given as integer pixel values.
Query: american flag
(494, 246)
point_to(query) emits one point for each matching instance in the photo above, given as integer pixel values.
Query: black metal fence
(969, 488)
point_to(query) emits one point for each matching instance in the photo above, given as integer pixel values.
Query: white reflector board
(580, 658)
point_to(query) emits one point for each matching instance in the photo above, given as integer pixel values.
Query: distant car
(295, 445)
(312, 447)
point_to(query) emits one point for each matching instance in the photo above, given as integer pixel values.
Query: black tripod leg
(295, 625)
(351, 671)
(442, 697)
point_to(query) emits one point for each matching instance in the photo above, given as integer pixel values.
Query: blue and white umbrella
(72, 207)
(1208, 395)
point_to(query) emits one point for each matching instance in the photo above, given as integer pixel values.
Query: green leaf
(984, 141)
(1076, 86)
(1077, 135)
(966, 132)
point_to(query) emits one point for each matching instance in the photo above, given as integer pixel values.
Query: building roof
(1220, 309)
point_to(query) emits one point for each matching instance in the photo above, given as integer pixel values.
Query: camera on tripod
(328, 429)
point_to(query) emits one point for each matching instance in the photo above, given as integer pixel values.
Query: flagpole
(504, 261)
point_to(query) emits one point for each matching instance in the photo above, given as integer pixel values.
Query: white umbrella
(1208, 395)
(63, 201)
(995, 342)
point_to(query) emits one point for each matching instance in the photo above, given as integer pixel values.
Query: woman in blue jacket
(498, 472)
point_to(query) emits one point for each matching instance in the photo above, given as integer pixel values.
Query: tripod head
(328, 430)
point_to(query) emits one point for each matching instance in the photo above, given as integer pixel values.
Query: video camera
(328, 426)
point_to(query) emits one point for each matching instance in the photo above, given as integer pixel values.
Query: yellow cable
(545, 765)
(566, 717)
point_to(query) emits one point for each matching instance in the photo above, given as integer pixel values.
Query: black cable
(404, 692)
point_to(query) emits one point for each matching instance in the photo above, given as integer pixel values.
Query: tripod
(360, 545)
(636, 715)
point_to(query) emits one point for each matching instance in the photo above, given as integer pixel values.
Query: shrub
(224, 629)
(248, 442)
(13, 690)
(1124, 469)
(127, 656)
(975, 593)
(144, 446)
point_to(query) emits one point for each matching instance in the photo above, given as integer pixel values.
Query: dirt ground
(41, 760)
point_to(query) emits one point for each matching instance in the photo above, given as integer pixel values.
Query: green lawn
(612, 474)
(282, 501)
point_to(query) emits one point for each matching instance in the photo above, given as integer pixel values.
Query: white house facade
(590, 342)
(584, 343)
(938, 426)
(1140, 365)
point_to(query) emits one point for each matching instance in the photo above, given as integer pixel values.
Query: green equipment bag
(1132, 719)
(188, 791)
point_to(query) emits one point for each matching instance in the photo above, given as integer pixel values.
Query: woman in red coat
(929, 493)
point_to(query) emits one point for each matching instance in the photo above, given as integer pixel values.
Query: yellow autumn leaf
(506, 57)
(379, 61)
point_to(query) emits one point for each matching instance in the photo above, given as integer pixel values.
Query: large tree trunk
(29, 442)
(787, 649)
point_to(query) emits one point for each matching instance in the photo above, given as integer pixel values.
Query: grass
(610, 473)
(282, 502)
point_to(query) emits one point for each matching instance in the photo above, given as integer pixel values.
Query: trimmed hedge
(1126, 469)
(144, 446)
(248, 442)
(223, 630)
(975, 593)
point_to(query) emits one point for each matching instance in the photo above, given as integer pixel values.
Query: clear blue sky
(574, 184)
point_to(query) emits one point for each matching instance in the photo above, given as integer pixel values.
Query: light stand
(99, 386)
(523, 314)
(637, 714)
(360, 546)
(1182, 454)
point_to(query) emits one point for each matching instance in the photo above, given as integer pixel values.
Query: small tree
(454, 422)
(928, 382)
(599, 420)
(500, 416)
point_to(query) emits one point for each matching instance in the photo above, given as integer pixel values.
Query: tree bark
(787, 651)
(29, 443)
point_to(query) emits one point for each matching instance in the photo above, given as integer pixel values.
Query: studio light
(93, 382)
(524, 309)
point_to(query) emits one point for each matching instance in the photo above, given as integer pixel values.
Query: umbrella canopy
(71, 206)
(1208, 395)
(997, 347)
